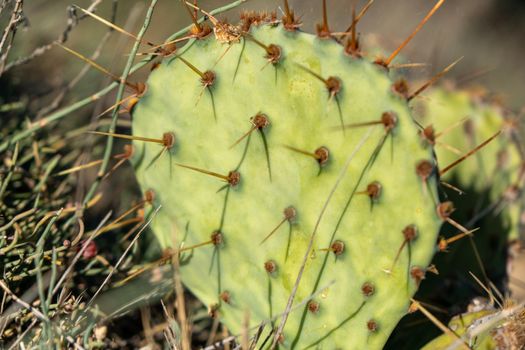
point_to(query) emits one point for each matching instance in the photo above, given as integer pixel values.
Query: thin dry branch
(17, 17)
(16, 299)
(72, 22)
(69, 86)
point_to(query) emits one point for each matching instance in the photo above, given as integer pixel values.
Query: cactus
(271, 144)
(487, 186)
(466, 118)
(485, 327)
(492, 180)
(284, 175)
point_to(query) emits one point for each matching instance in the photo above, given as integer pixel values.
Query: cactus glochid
(280, 146)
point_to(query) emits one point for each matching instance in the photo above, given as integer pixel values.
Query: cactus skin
(206, 123)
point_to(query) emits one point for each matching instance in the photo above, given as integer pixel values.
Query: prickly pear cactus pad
(486, 328)
(487, 188)
(462, 120)
(257, 131)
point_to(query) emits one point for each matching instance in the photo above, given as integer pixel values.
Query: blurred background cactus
(73, 233)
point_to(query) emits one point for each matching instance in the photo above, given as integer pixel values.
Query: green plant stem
(52, 280)
(40, 281)
(14, 158)
(120, 93)
(53, 117)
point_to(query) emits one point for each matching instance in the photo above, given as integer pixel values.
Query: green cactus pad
(293, 152)
(467, 120)
(492, 181)
(460, 325)
(485, 328)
